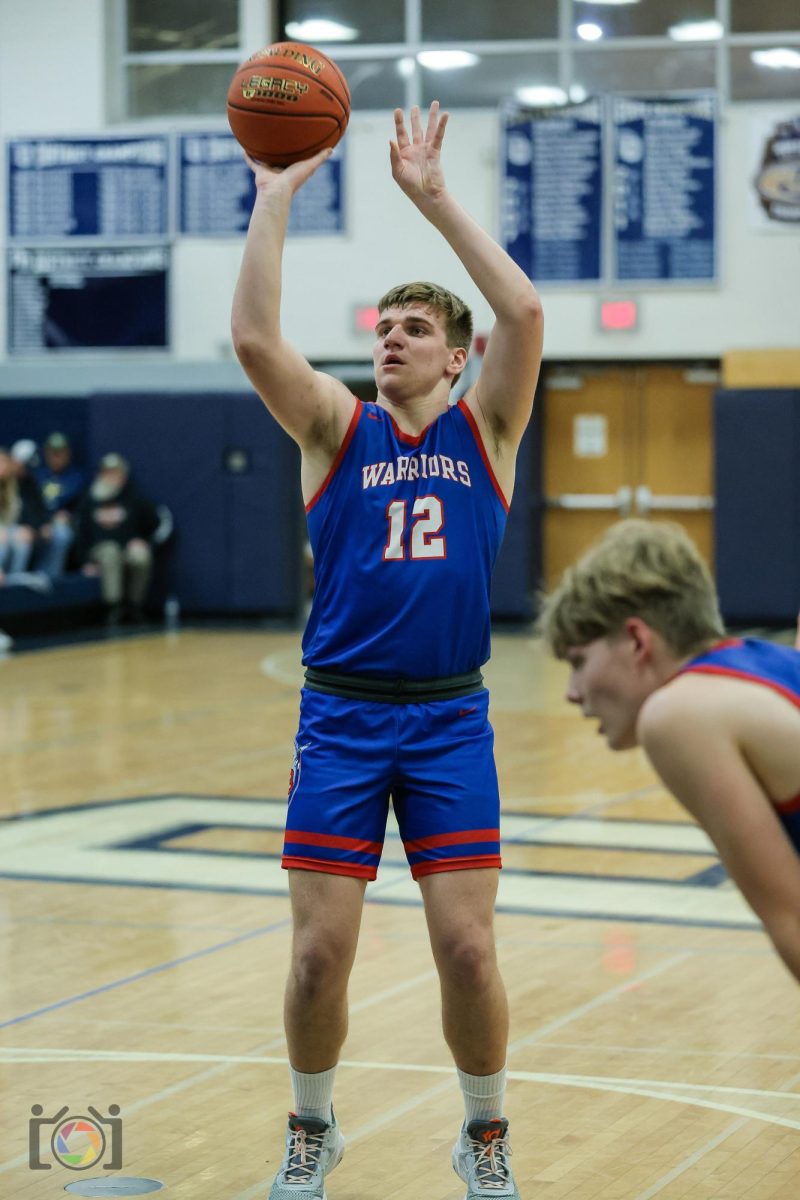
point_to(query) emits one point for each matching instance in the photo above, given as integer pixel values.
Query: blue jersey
(776, 667)
(405, 532)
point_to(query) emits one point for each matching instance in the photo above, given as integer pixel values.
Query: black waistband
(393, 691)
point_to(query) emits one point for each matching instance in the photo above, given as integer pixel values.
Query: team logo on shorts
(294, 773)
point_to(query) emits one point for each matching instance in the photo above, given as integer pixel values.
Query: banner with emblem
(774, 186)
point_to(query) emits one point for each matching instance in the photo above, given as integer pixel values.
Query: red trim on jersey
(409, 438)
(348, 437)
(326, 867)
(332, 841)
(477, 862)
(788, 806)
(476, 433)
(451, 839)
(746, 676)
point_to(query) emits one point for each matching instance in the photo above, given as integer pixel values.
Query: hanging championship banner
(109, 188)
(665, 227)
(552, 186)
(217, 190)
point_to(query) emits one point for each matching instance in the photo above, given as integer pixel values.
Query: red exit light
(618, 314)
(366, 318)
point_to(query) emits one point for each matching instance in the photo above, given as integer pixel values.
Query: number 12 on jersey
(427, 519)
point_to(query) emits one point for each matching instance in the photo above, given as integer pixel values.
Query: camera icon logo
(77, 1142)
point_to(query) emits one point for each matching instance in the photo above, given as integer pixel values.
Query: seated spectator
(25, 461)
(62, 486)
(115, 525)
(22, 514)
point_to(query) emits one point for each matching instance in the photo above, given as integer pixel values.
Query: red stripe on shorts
(327, 867)
(332, 841)
(452, 839)
(468, 863)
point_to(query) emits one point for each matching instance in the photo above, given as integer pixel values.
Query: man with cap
(30, 527)
(62, 486)
(115, 525)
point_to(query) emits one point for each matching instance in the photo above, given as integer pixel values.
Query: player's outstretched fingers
(433, 120)
(400, 128)
(416, 125)
(438, 136)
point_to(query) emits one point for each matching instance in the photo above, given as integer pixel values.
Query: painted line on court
(135, 978)
(698, 1155)
(692, 1159)
(220, 1068)
(672, 1091)
(659, 1089)
(629, 985)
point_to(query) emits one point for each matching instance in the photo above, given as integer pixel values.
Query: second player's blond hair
(651, 570)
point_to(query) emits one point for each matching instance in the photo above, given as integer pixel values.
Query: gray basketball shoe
(480, 1158)
(313, 1149)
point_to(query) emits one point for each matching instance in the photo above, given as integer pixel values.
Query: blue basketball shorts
(434, 760)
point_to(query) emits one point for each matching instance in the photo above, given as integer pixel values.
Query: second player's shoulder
(696, 708)
(686, 706)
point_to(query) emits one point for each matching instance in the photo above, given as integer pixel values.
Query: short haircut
(651, 570)
(457, 317)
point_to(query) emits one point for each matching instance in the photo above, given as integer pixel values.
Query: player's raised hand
(416, 165)
(291, 177)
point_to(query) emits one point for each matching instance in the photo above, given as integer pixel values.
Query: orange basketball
(286, 102)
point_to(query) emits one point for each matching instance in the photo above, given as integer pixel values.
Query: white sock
(313, 1094)
(483, 1095)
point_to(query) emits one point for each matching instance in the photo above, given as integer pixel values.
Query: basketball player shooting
(406, 502)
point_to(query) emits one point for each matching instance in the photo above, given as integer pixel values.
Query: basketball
(286, 102)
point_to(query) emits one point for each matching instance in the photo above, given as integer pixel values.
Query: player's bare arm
(313, 408)
(698, 757)
(502, 399)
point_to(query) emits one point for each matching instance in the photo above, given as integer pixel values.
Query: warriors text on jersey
(404, 532)
(774, 666)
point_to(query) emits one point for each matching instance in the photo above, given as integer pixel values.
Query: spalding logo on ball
(286, 102)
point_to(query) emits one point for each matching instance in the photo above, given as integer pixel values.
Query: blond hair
(651, 570)
(457, 317)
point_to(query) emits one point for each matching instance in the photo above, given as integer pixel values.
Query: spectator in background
(115, 526)
(22, 511)
(62, 486)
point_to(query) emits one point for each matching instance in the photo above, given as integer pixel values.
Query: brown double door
(625, 441)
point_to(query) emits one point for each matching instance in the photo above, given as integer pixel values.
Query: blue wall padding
(37, 416)
(757, 519)
(236, 546)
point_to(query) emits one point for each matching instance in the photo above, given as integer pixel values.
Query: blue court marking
(190, 829)
(618, 918)
(150, 798)
(167, 966)
(710, 877)
(40, 814)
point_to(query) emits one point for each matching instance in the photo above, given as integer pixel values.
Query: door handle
(646, 502)
(619, 501)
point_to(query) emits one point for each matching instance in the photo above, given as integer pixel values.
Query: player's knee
(319, 964)
(468, 959)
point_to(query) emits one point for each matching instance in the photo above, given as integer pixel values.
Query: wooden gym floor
(144, 939)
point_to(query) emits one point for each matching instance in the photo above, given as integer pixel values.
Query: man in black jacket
(115, 525)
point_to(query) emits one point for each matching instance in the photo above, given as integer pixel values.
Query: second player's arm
(312, 407)
(700, 762)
